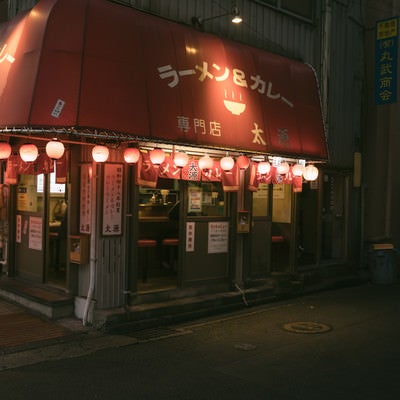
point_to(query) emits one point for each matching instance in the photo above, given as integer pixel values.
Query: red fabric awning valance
(93, 64)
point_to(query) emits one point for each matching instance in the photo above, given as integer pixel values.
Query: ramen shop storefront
(190, 221)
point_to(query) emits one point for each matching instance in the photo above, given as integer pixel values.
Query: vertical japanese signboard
(85, 199)
(386, 61)
(112, 202)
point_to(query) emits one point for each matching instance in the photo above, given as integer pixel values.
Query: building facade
(106, 232)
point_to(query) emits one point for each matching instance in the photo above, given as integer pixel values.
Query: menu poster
(195, 205)
(112, 199)
(218, 233)
(35, 233)
(86, 199)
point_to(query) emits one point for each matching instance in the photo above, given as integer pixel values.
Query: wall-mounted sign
(35, 233)
(190, 229)
(195, 196)
(112, 199)
(386, 61)
(218, 233)
(86, 199)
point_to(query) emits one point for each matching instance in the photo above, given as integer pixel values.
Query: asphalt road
(243, 355)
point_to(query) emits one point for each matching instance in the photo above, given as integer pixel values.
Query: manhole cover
(307, 327)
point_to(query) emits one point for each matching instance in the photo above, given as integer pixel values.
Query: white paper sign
(112, 199)
(35, 233)
(218, 234)
(190, 228)
(85, 216)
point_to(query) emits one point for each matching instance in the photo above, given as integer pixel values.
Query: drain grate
(147, 335)
(307, 327)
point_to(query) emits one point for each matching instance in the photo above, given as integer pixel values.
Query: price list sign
(112, 200)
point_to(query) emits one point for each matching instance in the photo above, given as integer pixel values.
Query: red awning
(93, 64)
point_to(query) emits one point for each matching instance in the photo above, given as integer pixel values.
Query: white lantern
(282, 168)
(131, 155)
(100, 153)
(310, 173)
(227, 163)
(5, 150)
(28, 152)
(298, 169)
(55, 149)
(206, 163)
(264, 167)
(243, 162)
(181, 159)
(157, 156)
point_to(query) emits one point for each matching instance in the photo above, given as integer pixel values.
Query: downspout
(93, 255)
(325, 59)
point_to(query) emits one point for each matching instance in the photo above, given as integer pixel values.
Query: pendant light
(264, 167)
(227, 163)
(206, 163)
(243, 162)
(28, 152)
(157, 156)
(100, 153)
(283, 168)
(5, 150)
(55, 149)
(131, 155)
(181, 159)
(310, 173)
(298, 169)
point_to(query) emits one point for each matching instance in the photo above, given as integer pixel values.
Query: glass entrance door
(56, 215)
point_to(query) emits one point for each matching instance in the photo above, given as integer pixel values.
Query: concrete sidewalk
(21, 330)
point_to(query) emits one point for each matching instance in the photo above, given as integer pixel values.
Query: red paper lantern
(55, 149)
(157, 156)
(28, 152)
(131, 155)
(243, 162)
(5, 150)
(100, 153)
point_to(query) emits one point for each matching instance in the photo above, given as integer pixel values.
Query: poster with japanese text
(35, 233)
(85, 199)
(218, 233)
(112, 200)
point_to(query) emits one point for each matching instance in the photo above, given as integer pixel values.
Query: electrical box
(79, 249)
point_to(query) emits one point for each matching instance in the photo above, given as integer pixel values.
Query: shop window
(260, 201)
(28, 198)
(159, 201)
(206, 199)
(303, 9)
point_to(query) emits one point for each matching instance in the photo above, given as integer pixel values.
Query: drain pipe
(93, 255)
(243, 294)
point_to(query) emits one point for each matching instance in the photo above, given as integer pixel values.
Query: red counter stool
(146, 244)
(278, 242)
(172, 244)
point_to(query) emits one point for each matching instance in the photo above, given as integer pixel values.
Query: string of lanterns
(100, 153)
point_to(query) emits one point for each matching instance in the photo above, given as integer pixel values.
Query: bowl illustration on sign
(235, 107)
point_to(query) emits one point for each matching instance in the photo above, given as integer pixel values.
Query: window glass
(206, 199)
(303, 8)
(260, 201)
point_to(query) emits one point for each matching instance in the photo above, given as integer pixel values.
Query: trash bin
(383, 263)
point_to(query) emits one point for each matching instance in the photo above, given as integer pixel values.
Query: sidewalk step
(144, 316)
(47, 302)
